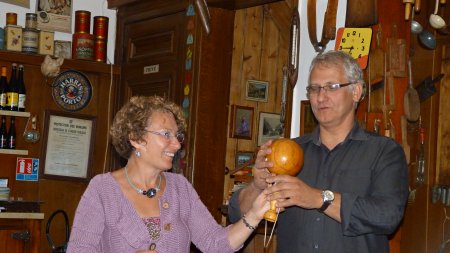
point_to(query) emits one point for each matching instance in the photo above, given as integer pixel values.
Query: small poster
(27, 169)
(54, 15)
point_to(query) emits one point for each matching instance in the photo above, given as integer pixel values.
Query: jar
(100, 50)
(101, 27)
(11, 18)
(82, 21)
(30, 40)
(83, 46)
(31, 20)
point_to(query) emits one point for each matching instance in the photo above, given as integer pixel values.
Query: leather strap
(329, 24)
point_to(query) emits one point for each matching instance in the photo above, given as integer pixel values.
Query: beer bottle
(21, 90)
(3, 133)
(13, 96)
(11, 137)
(3, 88)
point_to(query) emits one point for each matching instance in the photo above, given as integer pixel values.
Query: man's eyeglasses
(168, 135)
(315, 89)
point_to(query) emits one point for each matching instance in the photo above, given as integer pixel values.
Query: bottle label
(3, 99)
(21, 101)
(13, 99)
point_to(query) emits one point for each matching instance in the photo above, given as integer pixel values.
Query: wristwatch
(328, 197)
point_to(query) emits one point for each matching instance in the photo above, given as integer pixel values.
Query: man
(351, 192)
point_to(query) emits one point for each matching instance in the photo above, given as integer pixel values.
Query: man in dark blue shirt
(351, 192)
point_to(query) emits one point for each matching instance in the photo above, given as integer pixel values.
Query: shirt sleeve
(234, 210)
(89, 222)
(381, 209)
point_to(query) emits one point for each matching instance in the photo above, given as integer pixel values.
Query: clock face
(356, 42)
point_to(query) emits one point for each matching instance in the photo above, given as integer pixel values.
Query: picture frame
(63, 48)
(269, 128)
(241, 123)
(54, 16)
(22, 3)
(242, 158)
(257, 90)
(307, 119)
(68, 146)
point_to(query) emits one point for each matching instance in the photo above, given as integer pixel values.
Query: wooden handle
(407, 11)
(443, 1)
(417, 6)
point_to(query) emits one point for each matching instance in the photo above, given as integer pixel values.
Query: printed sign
(27, 169)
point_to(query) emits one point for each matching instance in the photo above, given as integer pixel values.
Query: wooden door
(152, 46)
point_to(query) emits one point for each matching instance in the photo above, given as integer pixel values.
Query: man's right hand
(261, 172)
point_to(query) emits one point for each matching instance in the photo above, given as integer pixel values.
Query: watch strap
(326, 203)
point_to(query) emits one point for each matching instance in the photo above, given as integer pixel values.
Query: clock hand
(351, 48)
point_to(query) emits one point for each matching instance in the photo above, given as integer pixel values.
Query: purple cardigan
(105, 221)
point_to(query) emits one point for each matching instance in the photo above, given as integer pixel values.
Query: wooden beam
(281, 14)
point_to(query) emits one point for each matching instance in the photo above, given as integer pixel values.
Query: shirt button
(316, 246)
(318, 219)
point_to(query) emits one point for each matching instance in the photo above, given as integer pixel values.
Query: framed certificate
(68, 146)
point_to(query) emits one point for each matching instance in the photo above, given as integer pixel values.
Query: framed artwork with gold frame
(307, 119)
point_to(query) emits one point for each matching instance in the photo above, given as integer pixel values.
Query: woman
(142, 207)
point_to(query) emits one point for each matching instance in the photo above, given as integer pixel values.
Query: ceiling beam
(238, 4)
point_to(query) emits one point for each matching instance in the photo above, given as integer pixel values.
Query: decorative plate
(72, 90)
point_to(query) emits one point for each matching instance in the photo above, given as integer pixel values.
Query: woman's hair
(131, 120)
(352, 70)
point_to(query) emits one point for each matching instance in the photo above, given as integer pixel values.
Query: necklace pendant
(151, 192)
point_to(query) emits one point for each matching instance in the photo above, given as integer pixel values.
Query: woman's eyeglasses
(168, 135)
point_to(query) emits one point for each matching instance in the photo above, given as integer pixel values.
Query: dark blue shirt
(370, 173)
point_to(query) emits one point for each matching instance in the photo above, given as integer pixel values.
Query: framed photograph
(307, 119)
(22, 3)
(63, 48)
(243, 157)
(270, 127)
(241, 122)
(54, 15)
(257, 90)
(68, 146)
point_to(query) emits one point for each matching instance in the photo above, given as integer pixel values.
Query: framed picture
(54, 15)
(63, 49)
(243, 157)
(257, 90)
(270, 127)
(307, 119)
(23, 3)
(68, 146)
(241, 122)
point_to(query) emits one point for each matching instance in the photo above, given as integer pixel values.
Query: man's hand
(290, 191)
(260, 172)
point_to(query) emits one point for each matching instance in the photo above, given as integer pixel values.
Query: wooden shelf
(13, 113)
(14, 151)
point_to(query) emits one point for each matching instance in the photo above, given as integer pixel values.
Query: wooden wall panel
(59, 194)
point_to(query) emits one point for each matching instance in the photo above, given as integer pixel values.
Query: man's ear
(358, 92)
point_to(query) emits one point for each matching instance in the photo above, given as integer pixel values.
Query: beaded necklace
(150, 193)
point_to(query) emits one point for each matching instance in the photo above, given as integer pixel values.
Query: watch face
(72, 90)
(356, 42)
(328, 195)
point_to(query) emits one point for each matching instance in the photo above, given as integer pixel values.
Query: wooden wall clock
(356, 42)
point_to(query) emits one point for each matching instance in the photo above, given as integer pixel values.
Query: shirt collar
(357, 133)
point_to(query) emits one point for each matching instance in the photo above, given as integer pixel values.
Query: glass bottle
(13, 96)
(3, 134)
(3, 88)
(22, 96)
(11, 137)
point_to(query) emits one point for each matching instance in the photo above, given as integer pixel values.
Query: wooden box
(46, 42)
(13, 38)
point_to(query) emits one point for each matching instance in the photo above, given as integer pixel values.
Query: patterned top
(153, 226)
(106, 221)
